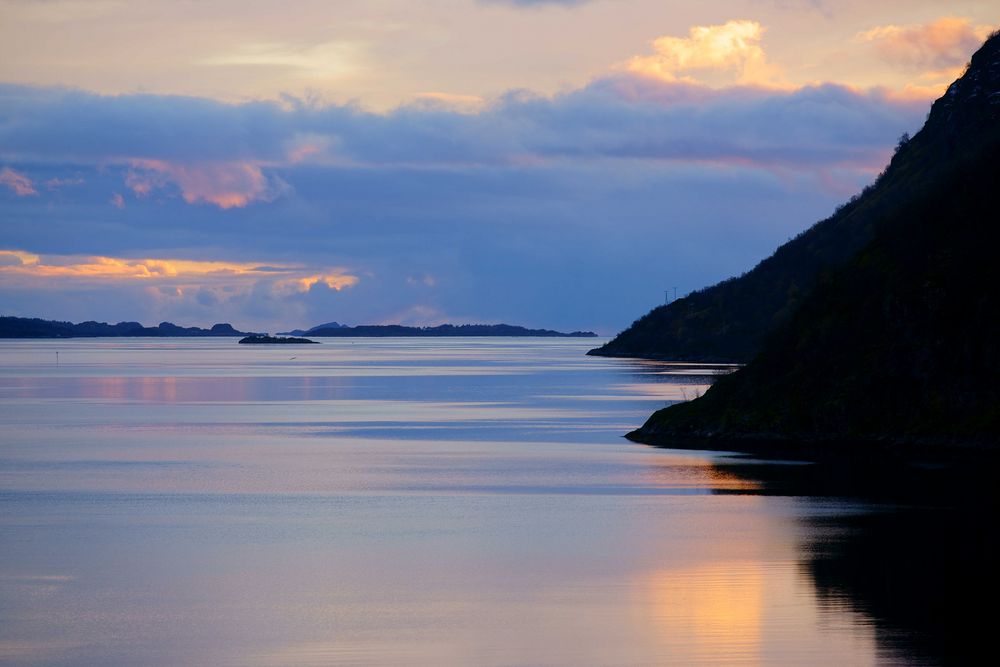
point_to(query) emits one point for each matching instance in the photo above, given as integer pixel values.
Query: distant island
(877, 330)
(31, 327)
(256, 339)
(28, 327)
(398, 330)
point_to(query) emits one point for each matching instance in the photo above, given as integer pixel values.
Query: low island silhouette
(256, 339)
(24, 327)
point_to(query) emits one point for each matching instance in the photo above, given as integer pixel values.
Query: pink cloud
(224, 184)
(946, 42)
(18, 183)
(142, 183)
(117, 201)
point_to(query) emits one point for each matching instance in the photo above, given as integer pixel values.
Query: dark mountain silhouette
(902, 342)
(32, 327)
(729, 321)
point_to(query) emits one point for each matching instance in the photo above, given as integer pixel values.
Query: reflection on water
(432, 502)
(919, 563)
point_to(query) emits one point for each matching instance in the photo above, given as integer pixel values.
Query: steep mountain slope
(901, 344)
(729, 321)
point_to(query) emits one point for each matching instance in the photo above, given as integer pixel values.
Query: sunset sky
(555, 163)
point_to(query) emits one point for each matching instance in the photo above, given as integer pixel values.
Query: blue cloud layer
(622, 117)
(567, 211)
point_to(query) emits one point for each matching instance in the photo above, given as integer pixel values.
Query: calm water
(442, 501)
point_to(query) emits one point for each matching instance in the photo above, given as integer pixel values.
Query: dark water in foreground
(194, 502)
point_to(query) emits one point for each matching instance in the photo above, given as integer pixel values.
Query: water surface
(403, 501)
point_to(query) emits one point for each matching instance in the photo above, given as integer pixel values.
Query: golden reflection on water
(716, 608)
(689, 472)
(749, 612)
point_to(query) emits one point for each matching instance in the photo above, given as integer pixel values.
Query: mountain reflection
(919, 560)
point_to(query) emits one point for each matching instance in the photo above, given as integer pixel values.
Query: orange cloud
(939, 45)
(224, 184)
(732, 47)
(18, 183)
(174, 272)
(17, 258)
(333, 281)
(114, 267)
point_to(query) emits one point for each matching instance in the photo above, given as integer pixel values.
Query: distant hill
(388, 330)
(900, 344)
(307, 332)
(30, 327)
(729, 321)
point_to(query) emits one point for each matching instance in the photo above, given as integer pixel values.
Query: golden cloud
(335, 282)
(732, 47)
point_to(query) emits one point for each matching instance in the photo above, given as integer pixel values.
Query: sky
(549, 163)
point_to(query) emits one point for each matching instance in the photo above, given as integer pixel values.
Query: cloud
(596, 236)
(17, 258)
(173, 272)
(117, 201)
(536, 3)
(734, 47)
(327, 60)
(937, 45)
(449, 102)
(58, 183)
(426, 280)
(232, 156)
(592, 198)
(335, 282)
(628, 119)
(17, 182)
(224, 184)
